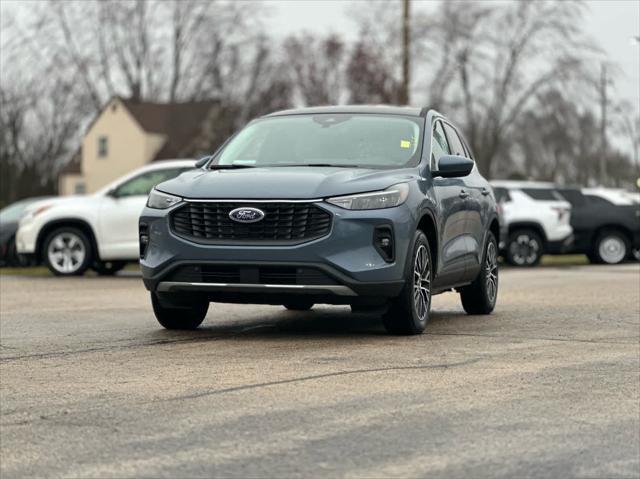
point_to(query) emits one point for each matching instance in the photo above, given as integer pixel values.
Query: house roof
(181, 123)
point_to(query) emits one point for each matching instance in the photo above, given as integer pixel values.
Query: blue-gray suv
(376, 207)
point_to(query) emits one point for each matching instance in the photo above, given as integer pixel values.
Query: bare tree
(318, 68)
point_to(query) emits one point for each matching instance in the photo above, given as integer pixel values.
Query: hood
(296, 182)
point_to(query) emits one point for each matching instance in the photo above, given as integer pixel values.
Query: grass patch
(30, 271)
(564, 259)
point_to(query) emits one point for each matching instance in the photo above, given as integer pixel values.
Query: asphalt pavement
(547, 386)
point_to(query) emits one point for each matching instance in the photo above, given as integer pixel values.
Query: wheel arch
(83, 225)
(537, 227)
(608, 227)
(428, 226)
(494, 227)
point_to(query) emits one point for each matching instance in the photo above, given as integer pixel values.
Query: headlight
(33, 213)
(161, 201)
(392, 196)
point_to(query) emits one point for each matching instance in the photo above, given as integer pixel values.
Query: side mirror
(202, 161)
(452, 166)
(112, 193)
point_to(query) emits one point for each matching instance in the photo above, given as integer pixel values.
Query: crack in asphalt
(321, 376)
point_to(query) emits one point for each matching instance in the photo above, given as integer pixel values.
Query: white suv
(535, 219)
(99, 231)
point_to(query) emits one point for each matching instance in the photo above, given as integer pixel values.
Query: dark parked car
(375, 207)
(10, 216)
(606, 224)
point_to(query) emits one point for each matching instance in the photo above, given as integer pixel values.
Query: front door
(477, 197)
(451, 201)
(120, 211)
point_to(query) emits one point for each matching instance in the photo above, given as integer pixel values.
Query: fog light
(383, 242)
(143, 238)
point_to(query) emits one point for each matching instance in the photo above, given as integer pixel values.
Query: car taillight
(563, 213)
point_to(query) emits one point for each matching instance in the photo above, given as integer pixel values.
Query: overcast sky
(612, 23)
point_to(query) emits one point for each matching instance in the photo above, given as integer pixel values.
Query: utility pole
(406, 39)
(603, 125)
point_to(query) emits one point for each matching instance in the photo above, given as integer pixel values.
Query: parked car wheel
(67, 251)
(480, 296)
(187, 316)
(610, 247)
(108, 268)
(300, 304)
(524, 248)
(409, 312)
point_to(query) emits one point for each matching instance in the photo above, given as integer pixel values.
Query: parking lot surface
(547, 386)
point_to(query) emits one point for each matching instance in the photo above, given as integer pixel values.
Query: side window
(457, 148)
(542, 194)
(597, 201)
(103, 147)
(142, 184)
(502, 195)
(439, 145)
(574, 197)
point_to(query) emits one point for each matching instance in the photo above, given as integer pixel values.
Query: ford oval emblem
(246, 215)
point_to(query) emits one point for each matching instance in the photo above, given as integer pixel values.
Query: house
(127, 134)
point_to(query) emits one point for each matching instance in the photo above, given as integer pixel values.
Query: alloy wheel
(491, 271)
(66, 252)
(524, 250)
(422, 283)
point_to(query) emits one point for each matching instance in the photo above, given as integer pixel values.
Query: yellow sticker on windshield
(405, 144)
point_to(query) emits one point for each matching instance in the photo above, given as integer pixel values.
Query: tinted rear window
(542, 194)
(502, 195)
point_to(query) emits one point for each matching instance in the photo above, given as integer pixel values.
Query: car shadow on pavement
(321, 323)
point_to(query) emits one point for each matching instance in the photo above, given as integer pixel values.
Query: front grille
(284, 223)
(232, 274)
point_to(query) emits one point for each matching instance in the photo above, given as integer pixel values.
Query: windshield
(372, 141)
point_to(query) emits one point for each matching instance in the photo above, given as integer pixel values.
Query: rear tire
(299, 305)
(67, 251)
(524, 248)
(481, 295)
(188, 317)
(409, 313)
(610, 247)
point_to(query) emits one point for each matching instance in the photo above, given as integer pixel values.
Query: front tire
(481, 295)
(610, 247)
(524, 248)
(67, 251)
(188, 316)
(409, 313)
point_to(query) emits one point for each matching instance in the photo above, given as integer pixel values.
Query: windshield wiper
(325, 165)
(232, 166)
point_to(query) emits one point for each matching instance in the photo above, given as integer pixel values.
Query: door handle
(463, 194)
(485, 191)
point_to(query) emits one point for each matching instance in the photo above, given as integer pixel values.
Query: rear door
(119, 213)
(451, 214)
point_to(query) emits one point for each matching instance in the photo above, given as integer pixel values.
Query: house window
(103, 147)
(79, 188)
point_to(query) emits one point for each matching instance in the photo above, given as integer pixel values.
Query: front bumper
(561, 246)
(346, 258)
(26, 237)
